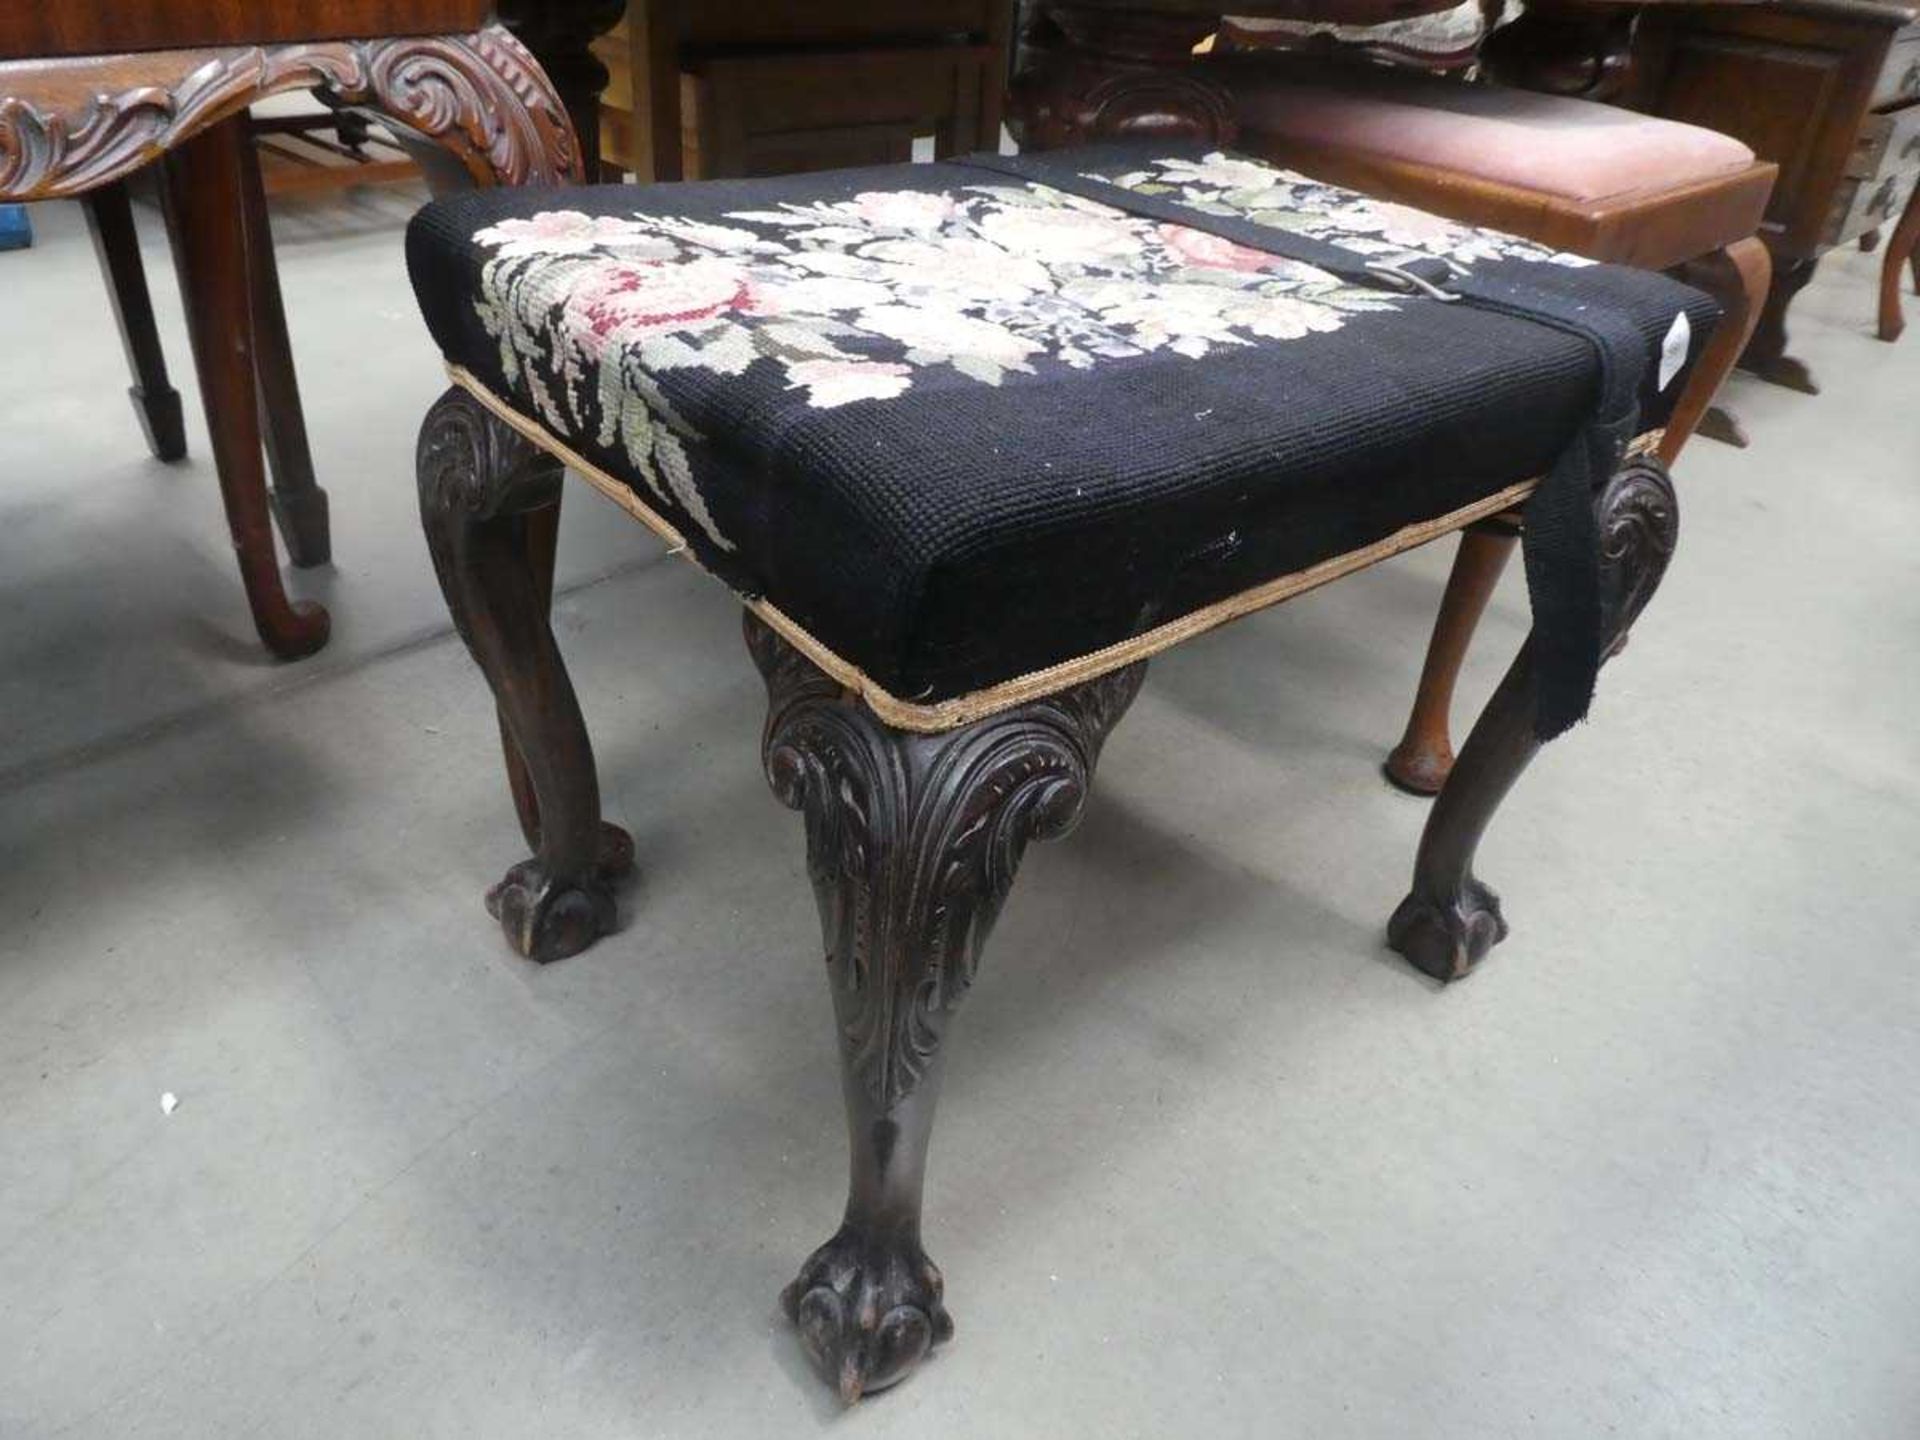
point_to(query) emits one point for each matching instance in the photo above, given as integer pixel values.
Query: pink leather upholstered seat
(1578, 150)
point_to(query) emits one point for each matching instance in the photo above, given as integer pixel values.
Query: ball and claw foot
(1447, 940)
(868, 1310)
(545, 919)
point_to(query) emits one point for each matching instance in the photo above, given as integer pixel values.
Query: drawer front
(1888, 139)
(1900, 77)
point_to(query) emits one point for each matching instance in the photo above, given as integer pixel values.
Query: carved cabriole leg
(1091, 72)
(912, 845)
(542, 548)
(481, 487)
(1450, 920)
(1902, 251)
(1420, 762)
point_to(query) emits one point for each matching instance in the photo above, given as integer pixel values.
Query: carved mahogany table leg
(480, 481)
(1766, 354)
(117, 246)
(1738, 277)
(912, 845)
(1450, 919)
(1423, 757)
(1101, 73)
(298, 502)
(1902, 251)
(205, 208)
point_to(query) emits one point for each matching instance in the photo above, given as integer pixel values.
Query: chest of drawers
(1829, 90)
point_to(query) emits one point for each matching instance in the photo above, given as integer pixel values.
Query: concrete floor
(1211, 1160)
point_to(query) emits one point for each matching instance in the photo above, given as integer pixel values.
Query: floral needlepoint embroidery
(860, 300)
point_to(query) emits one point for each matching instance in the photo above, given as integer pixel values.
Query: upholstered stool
(1579, 176)
(971, 442)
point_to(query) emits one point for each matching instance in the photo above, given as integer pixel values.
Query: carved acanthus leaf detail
(1639, 525)
(913, 840)
(469, 458)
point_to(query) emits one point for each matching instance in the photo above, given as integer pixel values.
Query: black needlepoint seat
(958, 426)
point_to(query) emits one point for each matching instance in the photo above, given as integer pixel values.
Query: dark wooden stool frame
(913, 839)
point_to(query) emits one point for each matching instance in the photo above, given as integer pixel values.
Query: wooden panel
(1793, 78)
(1776, 98)
(30, 29)
(794, 151)
(776, 113)
(661, 41)
(793, 92)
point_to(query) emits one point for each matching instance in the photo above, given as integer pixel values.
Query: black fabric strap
(1560, 540)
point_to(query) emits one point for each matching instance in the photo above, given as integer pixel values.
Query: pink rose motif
(651, 295)
(1212, 252)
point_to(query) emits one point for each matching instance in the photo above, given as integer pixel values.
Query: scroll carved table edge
(482, 97)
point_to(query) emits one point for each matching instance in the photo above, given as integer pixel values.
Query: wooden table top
(36, 29)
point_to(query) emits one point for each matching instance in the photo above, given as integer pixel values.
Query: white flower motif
(1402, 225)
(1062, 234)
(950, 335)
(1224, 170)
(1283, 317)
(727, 239)
(822, 294)
(837, 382)
(903, 209)
(569, 232)
(960, 266)
(833, 262)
